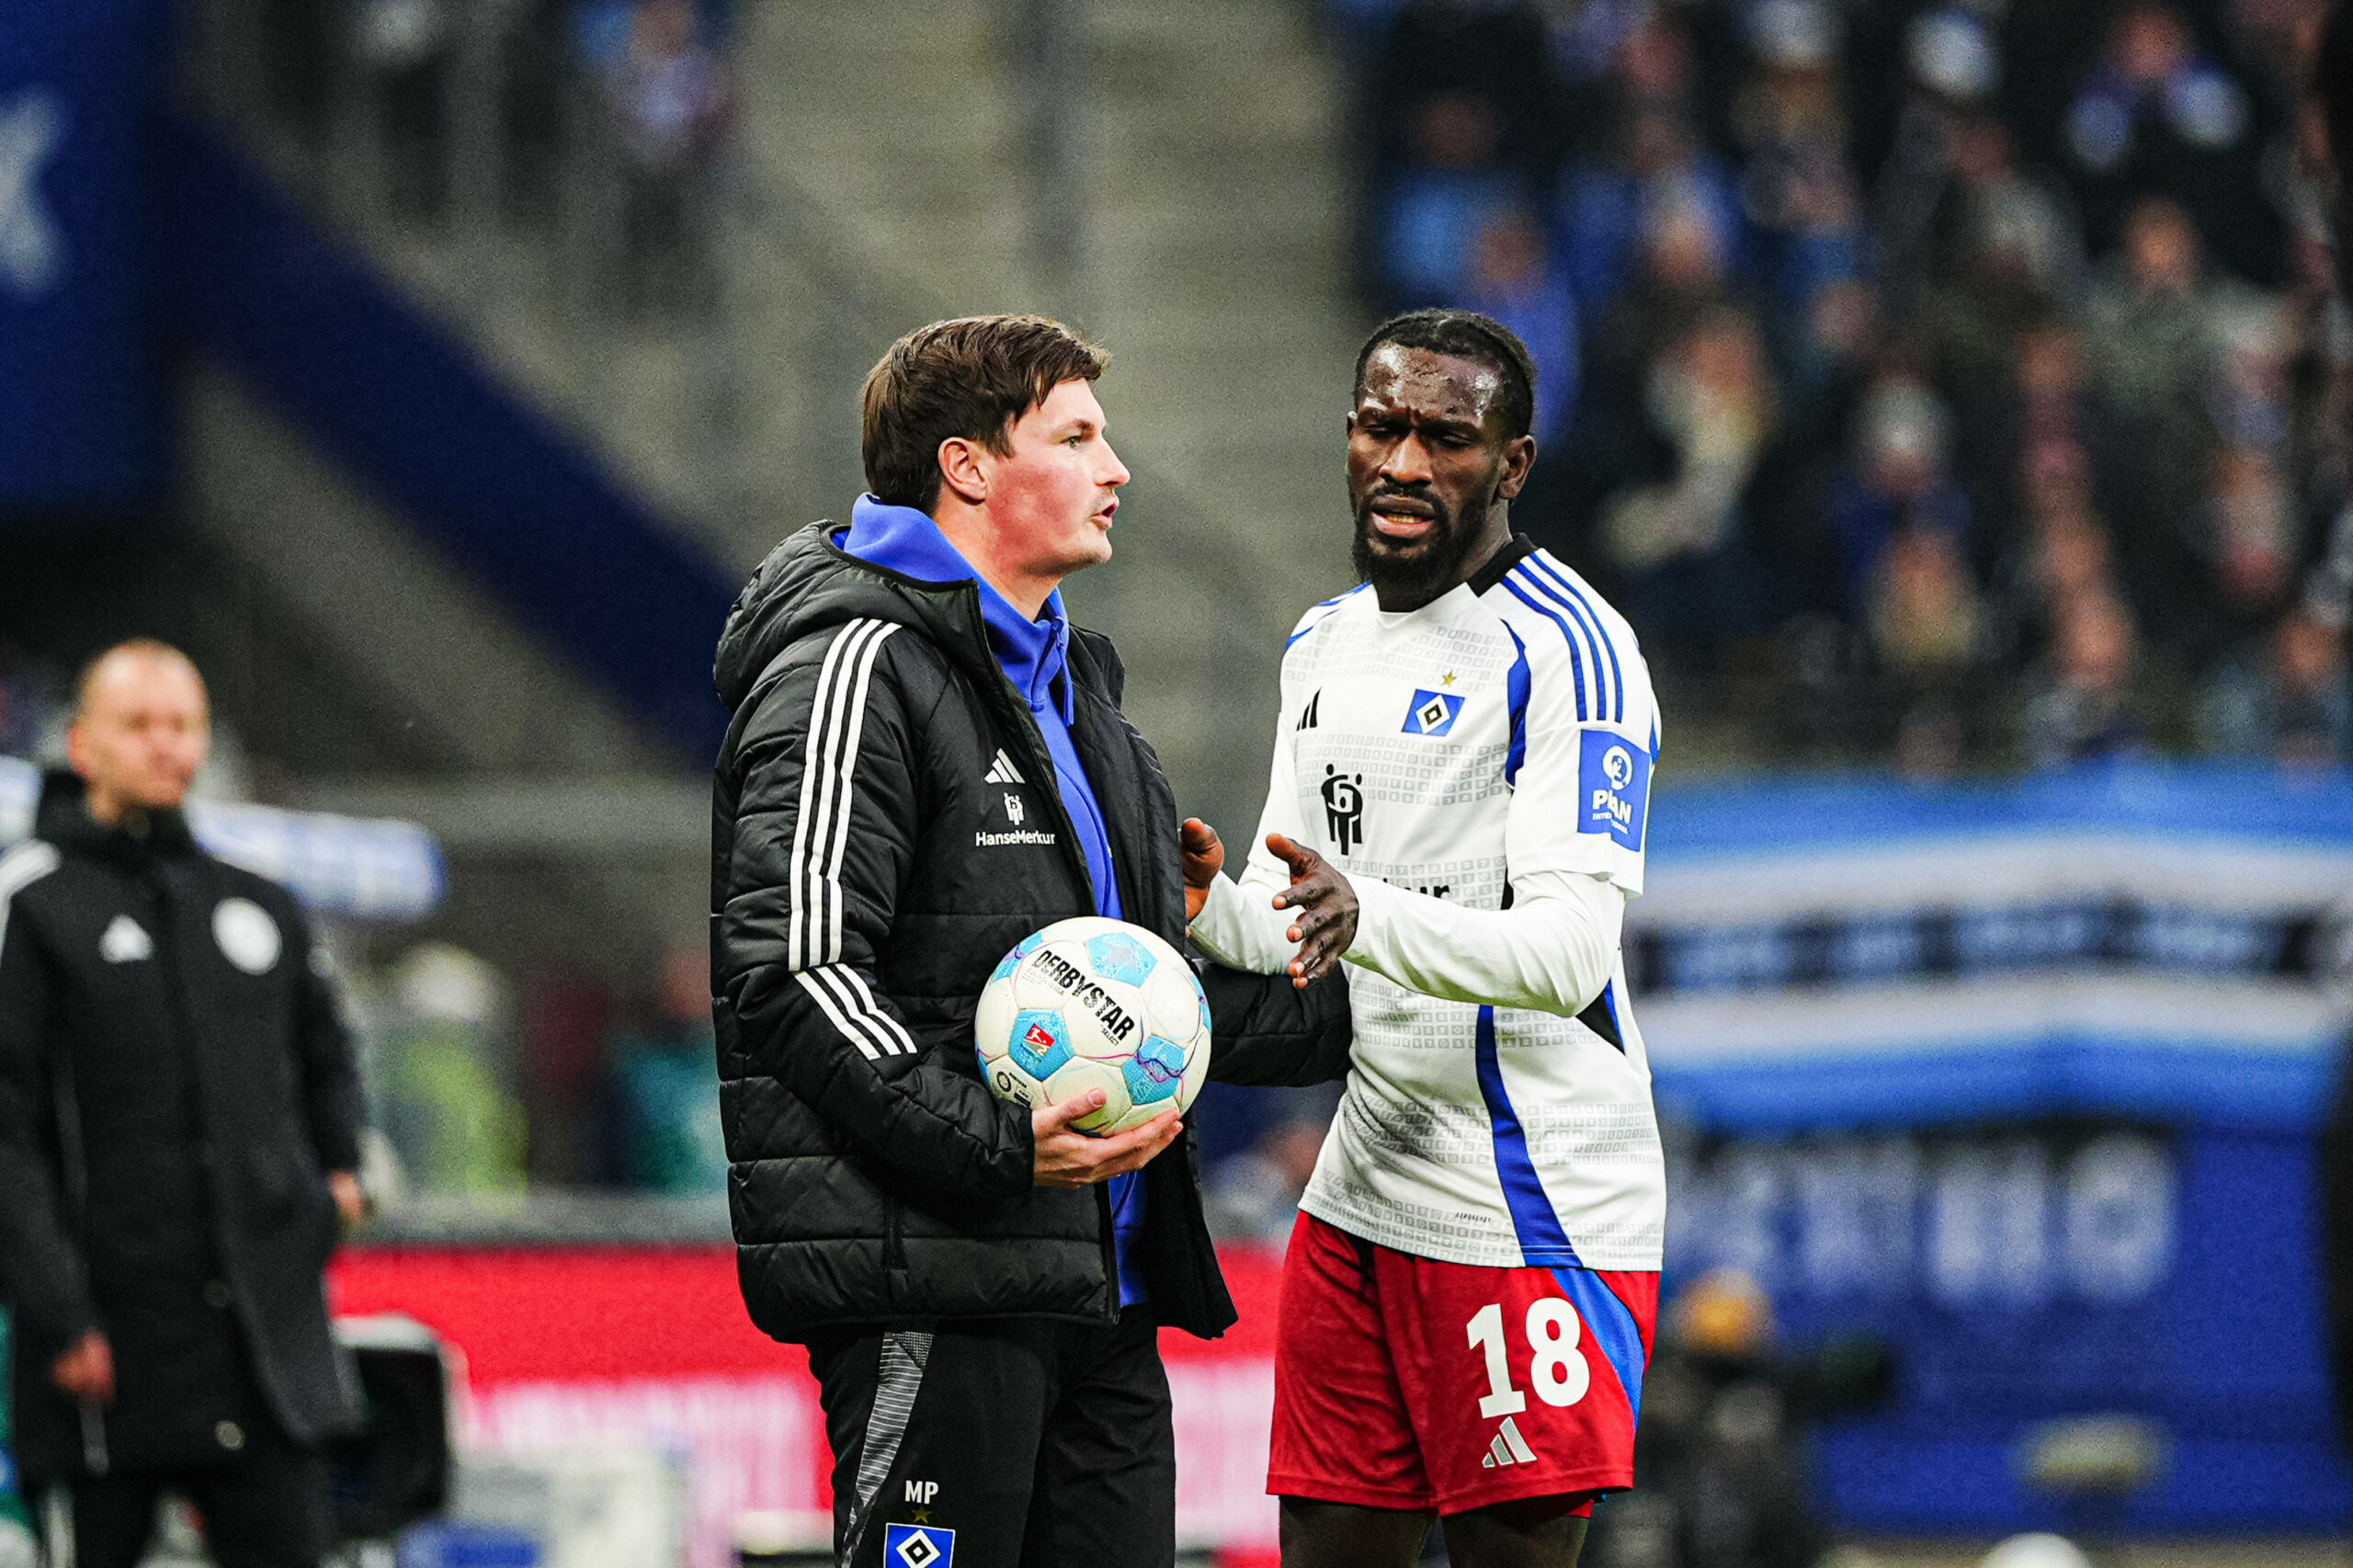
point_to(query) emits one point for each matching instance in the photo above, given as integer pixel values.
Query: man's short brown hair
(972, 377)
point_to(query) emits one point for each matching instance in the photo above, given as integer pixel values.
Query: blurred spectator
(402, 50)
(1660, 198)
(1926, 632)
(1950, 70)
(1744, 1501)
(2029, 440)
(1823, 344)
(1720, 1457)
(1254, 1195)
(1512, 279)
(2288, 703)
(1992, 216)
(665, 1101)
(566, 1019)
(2045, 450)
(2083, 704)
(1591, 40)
(2247, 397)
(669, 103)
(1450, 190)
(1899, 478)
(1959, 430)
(2065, 551)
(1677, 542)
(32, 707)
(444, 1083)
(1489, 53)
(668, 90)
(1789, 118)
(2252, 540)
(2156, 115)
(2153, 328)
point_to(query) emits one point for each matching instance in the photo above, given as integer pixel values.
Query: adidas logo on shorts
(1508, 1448)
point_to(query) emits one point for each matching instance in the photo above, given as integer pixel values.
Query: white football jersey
(1491, 750)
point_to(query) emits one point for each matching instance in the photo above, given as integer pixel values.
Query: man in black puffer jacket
(928, 763)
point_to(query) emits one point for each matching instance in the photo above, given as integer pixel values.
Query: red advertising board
(561, 1346)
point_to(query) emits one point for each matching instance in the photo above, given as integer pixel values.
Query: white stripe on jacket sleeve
(828, 776)
(835, 989)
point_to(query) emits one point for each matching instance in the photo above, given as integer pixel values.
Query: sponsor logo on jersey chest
(1343, 808)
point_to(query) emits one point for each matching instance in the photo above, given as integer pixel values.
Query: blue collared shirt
(1034, 655)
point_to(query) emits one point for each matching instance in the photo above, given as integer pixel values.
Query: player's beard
(1418, 572)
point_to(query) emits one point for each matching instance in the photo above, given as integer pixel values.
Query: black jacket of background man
(175, 1083)
(866, 875)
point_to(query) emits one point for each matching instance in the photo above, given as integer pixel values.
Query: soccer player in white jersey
(1461, 791)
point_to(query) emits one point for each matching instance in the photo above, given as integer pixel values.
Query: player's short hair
(972, 377)
(1468, 336)
(130, 647)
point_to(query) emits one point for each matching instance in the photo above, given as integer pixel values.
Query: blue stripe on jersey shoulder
(1543, 1241)
(1525, 573)
(1320, 619)
(1576, 662)
(1545, 565)
(1515, 689)
(1611, 1324)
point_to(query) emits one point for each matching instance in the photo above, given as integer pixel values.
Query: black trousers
(1015, 1443)
(264, 1507)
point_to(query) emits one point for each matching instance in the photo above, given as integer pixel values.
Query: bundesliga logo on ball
(1094, 1004)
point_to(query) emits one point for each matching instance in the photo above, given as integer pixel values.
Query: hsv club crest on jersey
(1505, 731)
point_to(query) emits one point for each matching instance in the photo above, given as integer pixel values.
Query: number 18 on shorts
(1405, 1382)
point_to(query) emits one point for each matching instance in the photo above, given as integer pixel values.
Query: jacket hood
(806, 584)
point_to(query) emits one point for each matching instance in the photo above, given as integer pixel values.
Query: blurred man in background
(179, 1123)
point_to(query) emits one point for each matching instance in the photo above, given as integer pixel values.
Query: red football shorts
(1404, 1382)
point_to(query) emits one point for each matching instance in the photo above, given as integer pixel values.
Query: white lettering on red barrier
(749, 1442)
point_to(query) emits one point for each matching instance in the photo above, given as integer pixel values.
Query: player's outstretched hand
(1070, 1158)
(1328, 910)
(1204, 856)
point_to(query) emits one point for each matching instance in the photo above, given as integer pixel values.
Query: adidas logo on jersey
(1309, 716)
(1508, 1448)
(1001, 771)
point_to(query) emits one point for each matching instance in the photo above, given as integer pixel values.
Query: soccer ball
(1094, 1004)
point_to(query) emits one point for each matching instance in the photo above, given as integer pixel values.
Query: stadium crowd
(1958, 384)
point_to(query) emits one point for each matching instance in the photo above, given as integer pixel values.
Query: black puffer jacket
(866, 874)
(175, 1083)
